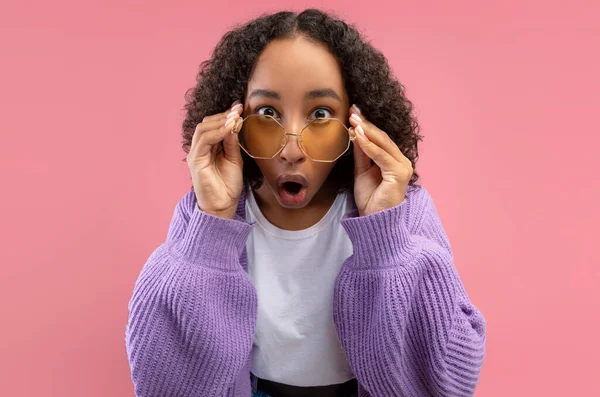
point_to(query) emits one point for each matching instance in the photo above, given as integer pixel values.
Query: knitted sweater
(400, 310)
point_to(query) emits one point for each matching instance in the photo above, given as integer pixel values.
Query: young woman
(305, 260)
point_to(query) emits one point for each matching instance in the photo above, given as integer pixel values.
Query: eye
(322, 113)
(269, 111)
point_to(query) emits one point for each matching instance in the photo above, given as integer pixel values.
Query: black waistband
(274, 389)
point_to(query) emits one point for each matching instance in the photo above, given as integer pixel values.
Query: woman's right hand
(217, 173)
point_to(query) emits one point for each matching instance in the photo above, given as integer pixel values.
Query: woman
(305, 260)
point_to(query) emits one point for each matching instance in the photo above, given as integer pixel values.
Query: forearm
(193, 310)
(190, 329)
(402, 313)
(409, 331)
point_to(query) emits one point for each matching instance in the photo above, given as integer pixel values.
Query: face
(295, 81)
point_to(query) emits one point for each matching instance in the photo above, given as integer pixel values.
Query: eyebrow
(314, 94)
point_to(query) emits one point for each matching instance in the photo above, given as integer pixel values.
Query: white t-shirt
(294, 274)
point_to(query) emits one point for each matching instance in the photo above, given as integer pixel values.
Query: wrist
(225, 214)
(211, 241)
(381, 238)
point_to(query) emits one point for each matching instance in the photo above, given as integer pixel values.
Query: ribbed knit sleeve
(401, 312)
(193, 311)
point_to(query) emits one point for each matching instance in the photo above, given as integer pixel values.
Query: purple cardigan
(400, 310)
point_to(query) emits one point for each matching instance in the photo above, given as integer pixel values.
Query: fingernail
(239, 105)
(229, 123)
(232, 113)
(236, 102)
(356, 109)
(355, 117)
(360, 130)
(238, 124)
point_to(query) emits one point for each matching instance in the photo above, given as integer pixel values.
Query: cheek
(266, 168)
(322, 171)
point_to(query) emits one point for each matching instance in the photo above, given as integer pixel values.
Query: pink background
(508, 97)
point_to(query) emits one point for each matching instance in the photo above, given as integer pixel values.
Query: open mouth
(292, 187)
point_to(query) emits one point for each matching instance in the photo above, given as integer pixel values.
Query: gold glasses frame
(238, 126)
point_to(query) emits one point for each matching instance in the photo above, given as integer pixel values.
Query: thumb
(232, 149)
(362, 162)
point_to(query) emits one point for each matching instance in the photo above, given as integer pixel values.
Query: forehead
(295, 66)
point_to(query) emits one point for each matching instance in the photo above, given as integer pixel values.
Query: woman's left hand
(381, 185)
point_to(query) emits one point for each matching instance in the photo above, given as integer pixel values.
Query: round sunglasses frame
(238, 126)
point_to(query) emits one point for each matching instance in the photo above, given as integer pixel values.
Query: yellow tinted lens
(261, 136)
(325, 139)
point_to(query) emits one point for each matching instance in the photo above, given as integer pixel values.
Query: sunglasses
(322, 140)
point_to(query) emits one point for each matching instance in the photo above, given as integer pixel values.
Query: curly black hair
(366, 74)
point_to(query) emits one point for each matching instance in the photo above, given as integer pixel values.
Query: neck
(296, 218)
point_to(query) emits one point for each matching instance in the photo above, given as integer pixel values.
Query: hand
(381, 185)
(217, 172)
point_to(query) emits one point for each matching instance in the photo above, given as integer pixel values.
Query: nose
(292, 151)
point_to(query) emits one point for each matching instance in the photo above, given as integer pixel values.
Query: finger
(362, 162)
(208, 140)
(218, 116)
(232, 150)
(237, 107)
(379, 137)
(214, 122)
(382, 158)
(203, 127)
(211, 123)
